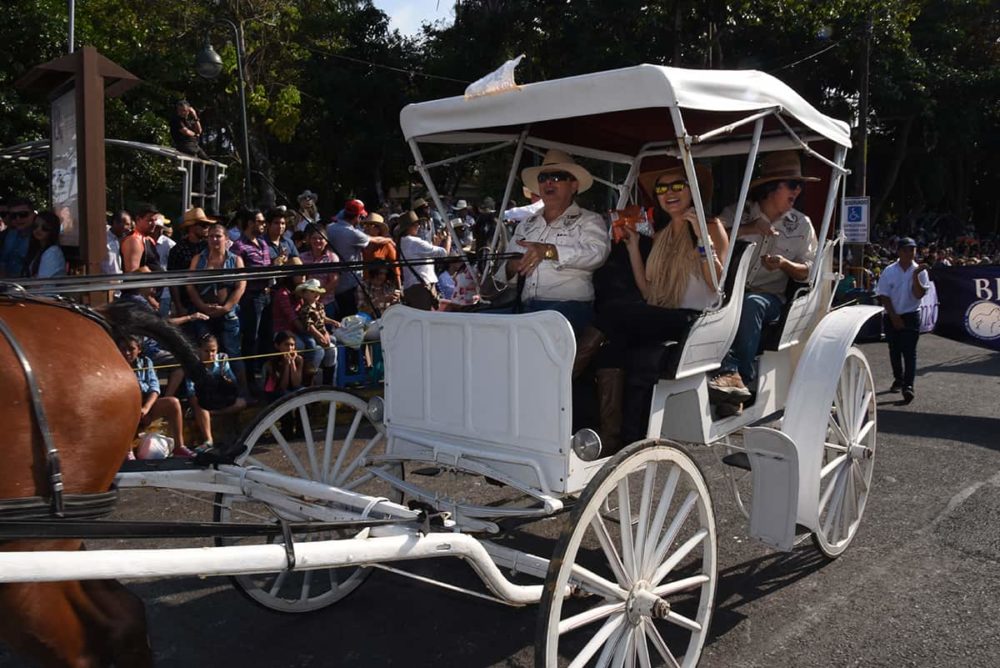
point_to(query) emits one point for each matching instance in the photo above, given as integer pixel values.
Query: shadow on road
(981, 431)
(745, 583)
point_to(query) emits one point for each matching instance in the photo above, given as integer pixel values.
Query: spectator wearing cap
(349, 242)
(194, 229)
(563, 243)
(14, 250)
(255, 317)
(161, 236)
(900, 288)
(139, 248)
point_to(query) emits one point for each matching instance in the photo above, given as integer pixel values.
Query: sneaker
(908, 394)
(727, 409)
(727, 387)
(897, 386)
(181, 452)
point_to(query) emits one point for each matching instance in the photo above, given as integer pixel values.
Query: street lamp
(208, 65)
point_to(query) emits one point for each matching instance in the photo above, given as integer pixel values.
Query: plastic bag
(498, 81)
(153, 445)
(633, 217)
(352, 330)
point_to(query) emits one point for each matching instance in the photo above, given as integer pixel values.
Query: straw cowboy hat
(648, 180)
(419, 202)
(195, 216)
(780, 166)
(312, 285)
(557, 161)
(378, 221)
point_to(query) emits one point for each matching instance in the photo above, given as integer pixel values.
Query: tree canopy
(326, 80)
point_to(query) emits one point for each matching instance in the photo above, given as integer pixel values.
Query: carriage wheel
(736, 469)
(316, 434)
(848, 457)
(640, 550)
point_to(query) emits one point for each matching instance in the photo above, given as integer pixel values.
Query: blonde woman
(675, 281)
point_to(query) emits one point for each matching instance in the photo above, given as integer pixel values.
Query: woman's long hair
(671, 263)
(52, 226)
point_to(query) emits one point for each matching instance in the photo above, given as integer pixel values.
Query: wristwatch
(550, 252)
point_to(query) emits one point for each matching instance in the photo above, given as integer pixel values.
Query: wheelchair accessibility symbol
(855, 214)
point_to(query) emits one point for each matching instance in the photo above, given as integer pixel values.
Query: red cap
(355, 207)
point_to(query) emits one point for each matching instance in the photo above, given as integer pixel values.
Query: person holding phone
(185, 130)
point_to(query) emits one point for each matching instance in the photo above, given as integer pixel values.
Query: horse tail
(129, 320)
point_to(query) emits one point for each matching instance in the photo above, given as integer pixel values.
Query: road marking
(959, 499)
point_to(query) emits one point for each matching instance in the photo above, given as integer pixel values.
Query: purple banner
(969, 304)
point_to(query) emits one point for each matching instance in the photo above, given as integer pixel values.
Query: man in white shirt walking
(900, 288)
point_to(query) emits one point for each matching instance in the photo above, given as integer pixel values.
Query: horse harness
(59, 504)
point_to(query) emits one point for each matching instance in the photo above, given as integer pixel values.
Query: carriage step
(739, 460)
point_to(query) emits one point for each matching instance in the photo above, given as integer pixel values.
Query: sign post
(76, 85)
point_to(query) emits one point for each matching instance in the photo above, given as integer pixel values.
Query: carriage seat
(706, 340)
(770, 336)
(801, 304)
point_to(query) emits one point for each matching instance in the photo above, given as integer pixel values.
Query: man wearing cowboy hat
(563, 244)
(786, 248)
(194, 226)
(430, 219)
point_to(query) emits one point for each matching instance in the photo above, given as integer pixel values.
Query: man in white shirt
(900, 288)
(563, 243)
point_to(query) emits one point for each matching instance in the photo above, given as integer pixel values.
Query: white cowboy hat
(557, 161)
(312, 285)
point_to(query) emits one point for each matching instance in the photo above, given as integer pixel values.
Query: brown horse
(92, 402)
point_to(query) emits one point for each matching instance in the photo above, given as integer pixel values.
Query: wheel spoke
(359, 461)
(644, 503)
(590, 616)
(623, 649)
(678, 586)
(292, 457)
(660, 645)
(344, 447)
(671, 535)
(310, 444)
(331, 425)
(597, 584)
(610, 628)
(641, 646)
(863, 432)
(683, 622)
(838, 499)
(306, 585)
(607, 652)
(625, 519)
(827, 493)
(829, 468)
(278, 581)
(862, 413)
(658, 519)
(607, 544)
(861, 477)
(678, 556)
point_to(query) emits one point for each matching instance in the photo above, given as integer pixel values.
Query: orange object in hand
(628, 217)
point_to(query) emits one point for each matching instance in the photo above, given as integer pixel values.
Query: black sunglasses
(20, 214)
(794, 184)
(558, 177)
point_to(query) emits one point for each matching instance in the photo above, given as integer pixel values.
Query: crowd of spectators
(270, 337)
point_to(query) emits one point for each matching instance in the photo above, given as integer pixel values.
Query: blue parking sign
(855, 214)
(854, 219)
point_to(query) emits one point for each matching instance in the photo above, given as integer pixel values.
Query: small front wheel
(632, 580)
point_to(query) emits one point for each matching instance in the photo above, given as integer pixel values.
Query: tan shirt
(795, 241)
(582, 240)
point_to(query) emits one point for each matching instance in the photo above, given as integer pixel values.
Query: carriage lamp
(587, 445)
(376, 409)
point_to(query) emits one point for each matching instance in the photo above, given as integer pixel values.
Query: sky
(407, 15)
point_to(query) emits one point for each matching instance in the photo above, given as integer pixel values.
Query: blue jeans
(579, 314)
(903, 347)
(759, 309)
(227, 331)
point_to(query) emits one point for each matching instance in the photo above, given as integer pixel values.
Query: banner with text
(969, 304)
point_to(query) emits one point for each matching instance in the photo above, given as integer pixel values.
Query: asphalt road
(918, 587)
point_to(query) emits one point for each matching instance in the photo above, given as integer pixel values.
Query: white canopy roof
(618, 111)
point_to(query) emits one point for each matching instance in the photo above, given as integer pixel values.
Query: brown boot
(586, 347)
(610, 394)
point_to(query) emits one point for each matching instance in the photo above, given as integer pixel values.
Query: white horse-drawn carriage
(633, 574)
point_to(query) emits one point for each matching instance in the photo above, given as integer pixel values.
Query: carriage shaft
(251, 559)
